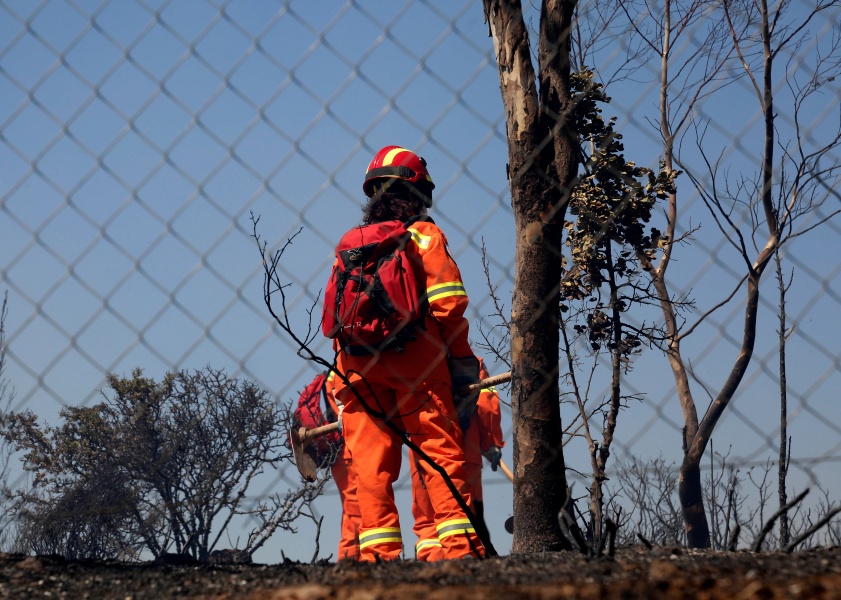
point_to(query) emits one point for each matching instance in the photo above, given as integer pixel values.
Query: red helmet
(394, 162)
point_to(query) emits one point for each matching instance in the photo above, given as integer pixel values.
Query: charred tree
(543, 158)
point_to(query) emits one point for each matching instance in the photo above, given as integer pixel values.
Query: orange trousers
(423, 409)
(428, 547)
(345, 478)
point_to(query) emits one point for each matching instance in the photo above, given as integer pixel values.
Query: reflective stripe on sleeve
(448, 528)
(420, 239)
(384, 535)
(444, 290)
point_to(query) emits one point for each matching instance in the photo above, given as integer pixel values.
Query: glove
(463, 372)
(494, 455)
(464, 420)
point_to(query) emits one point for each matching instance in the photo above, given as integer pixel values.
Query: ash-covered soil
(632, 573)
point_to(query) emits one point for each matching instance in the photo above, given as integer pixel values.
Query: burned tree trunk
(542, 165)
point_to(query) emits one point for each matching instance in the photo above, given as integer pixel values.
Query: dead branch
(769, 524)
(809, 532)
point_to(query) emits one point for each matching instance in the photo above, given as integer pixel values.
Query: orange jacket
(446, 330)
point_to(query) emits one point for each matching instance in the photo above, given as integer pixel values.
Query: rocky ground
(632, 573)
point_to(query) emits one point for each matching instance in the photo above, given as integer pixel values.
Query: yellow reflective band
(445, 290)
(431, 542)
(384, 535)
(391, 154)
(421, 240)
(448, 528)
(491, 389)
(370, 532)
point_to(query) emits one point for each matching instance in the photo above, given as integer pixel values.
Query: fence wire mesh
(139, 139)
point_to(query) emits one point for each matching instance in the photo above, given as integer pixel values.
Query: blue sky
(137, 137)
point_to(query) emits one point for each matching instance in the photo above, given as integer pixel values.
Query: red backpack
(309, 414)
(376, 298)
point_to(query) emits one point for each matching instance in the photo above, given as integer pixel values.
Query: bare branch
(811, 531)
(714, 308)
(756, 546)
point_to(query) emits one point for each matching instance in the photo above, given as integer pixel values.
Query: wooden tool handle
(308, 434)
(489, 382)
(506, 470)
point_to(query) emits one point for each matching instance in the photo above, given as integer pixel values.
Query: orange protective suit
(485, 431)
(345, 478)
(411, 390)
(342, 464)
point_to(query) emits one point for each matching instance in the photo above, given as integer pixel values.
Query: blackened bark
(542, 165)
(692, 505)
(539, 477)
(782, 470)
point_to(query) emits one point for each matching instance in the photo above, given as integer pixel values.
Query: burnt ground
(633, 573)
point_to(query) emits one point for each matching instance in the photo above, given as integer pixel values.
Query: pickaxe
(305, 458)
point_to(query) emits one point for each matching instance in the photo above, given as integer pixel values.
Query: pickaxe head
(304, 453)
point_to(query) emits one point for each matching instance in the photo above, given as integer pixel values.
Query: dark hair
(398, 201)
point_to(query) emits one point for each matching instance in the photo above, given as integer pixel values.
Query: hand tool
(301, 437)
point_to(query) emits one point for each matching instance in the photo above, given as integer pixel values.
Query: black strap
(328, 409)
(402, 172)
(412, 220)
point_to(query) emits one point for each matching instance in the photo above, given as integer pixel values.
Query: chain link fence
(141, 139)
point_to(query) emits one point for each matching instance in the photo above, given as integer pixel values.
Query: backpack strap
(328, 409)
(412, 220)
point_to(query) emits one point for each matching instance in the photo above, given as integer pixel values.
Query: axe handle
(489, 382)
(308, 434)
(506, 470)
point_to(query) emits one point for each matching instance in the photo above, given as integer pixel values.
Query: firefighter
(482, 437)
(332, 449)
(346, 482)
(411, 387)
